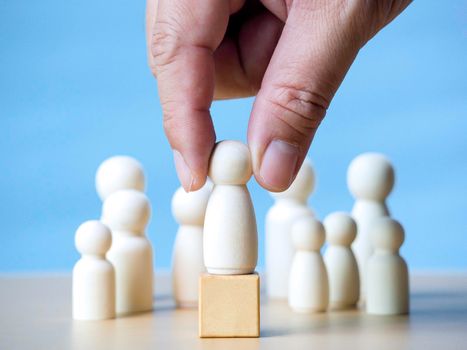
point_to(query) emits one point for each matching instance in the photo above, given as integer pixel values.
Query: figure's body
(370, 178)
(308, 282)
(127, 213)
(289, 206)
(230, 237)
(93, 275)
(387, 273)
(341, 265)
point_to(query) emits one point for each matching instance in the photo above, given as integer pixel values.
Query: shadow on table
(229, 343)
(436, 305)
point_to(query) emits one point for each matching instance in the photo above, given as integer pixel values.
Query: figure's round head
(308, 234)
(119, 173)
(230, 163)
(340, 228)
(93, 237)
(126, 210)
(370, 176)
(190, 208)
(387, 234)
(302, 186)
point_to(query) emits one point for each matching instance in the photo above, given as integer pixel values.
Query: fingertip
(183, 171)
(190, 179)
(198, 181)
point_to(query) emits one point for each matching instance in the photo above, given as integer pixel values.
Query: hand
(291, 54)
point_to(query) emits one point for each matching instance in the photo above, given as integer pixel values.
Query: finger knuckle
(164, 45)
(300, 108)
(152, 66)
(168, 115)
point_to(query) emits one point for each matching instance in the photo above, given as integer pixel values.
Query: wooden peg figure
(93, 276)
(119, 173)
(308, 284)
(370, 179)
(388, 276)
(127, 213)
(230, 235)
(279, 251)
(341, 265)
(189, 210)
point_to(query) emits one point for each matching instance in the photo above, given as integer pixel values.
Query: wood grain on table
(35, 313)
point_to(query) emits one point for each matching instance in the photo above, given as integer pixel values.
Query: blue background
(75, 89)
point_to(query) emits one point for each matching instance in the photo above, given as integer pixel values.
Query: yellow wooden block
(228, 306)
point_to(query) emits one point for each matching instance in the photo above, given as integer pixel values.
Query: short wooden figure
(308, 282)
(93, 276)
(388, 276)
(341, 265)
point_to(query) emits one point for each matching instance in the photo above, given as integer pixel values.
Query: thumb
(310, 61)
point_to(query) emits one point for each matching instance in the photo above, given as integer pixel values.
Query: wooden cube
(228, 306)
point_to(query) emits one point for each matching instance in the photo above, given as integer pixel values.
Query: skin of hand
(291, 54)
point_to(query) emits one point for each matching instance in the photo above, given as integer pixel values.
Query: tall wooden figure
(119, 173)
(187, 259)
(230, 236)
(229, 293)
(279, 251)
(127, 213)
(370, 178)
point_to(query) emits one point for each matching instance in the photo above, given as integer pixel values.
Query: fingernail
(278, 164)
(183, 171)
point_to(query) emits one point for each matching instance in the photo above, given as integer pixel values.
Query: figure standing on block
(230, 237)
(370, 178)
(290, 205)
(93, 276)
(308, 284)
(341, 265)
(119, 173)
(387, 273)
(127, 213)
(189, 210)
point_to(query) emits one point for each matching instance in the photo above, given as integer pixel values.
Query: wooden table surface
(35, 313)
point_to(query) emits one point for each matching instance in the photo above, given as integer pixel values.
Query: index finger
(181, 42)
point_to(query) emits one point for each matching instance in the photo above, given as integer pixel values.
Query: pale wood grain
(35, 313)
(229, 306)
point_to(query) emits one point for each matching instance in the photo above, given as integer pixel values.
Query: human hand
(291, 54)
